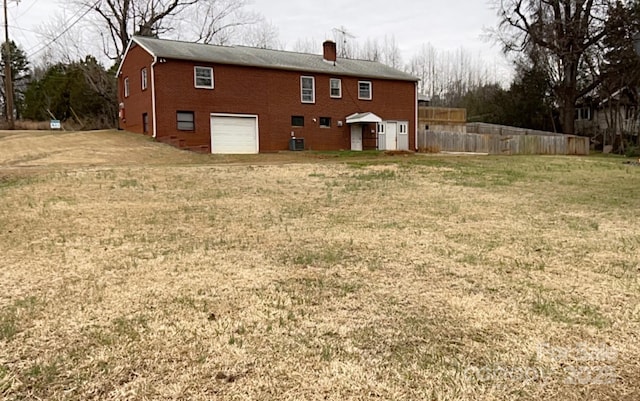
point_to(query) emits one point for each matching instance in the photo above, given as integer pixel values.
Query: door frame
(356, 129)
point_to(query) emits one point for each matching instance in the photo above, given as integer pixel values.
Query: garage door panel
(234, 134)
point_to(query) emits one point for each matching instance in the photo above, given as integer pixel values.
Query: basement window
(364, 90)
(186, 121)
(325, 122)
(203, 77)
(308, 89)
(297, 121)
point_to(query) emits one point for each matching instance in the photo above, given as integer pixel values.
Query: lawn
(132, 270)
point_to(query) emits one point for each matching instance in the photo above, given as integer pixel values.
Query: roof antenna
(342, 35)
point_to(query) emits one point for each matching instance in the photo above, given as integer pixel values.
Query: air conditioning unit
(296, 144)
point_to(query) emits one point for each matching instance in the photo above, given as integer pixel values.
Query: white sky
(447, 25)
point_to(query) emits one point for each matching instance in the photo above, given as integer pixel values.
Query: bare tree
(307, 45)
(562, 33)
(215, 21)
(205, 21)
(447, 75)
(264, 35)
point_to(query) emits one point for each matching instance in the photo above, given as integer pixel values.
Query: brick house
(223, 99)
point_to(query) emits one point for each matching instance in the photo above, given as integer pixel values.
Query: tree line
(564, 53)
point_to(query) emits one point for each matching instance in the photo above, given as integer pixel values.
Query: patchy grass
(132, 270)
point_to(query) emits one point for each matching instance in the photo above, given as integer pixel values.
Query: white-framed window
(126, 87)
(380, 128)
(583, 113)
(335, 87)
(364, 90)
(203, 77)
(143, 78)
(403, 128)
(307, 89)
(186, 121)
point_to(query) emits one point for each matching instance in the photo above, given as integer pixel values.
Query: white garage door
(234, 134)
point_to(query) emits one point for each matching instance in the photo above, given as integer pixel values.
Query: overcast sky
(447, 25)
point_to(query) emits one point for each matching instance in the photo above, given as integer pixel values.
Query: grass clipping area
(391, 278)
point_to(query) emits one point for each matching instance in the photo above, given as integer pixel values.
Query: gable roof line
(266, 58)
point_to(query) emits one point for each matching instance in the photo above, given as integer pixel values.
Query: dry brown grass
(131, 270)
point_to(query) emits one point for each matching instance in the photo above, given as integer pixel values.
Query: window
(381, 128)
(143, 76)
(308, 89)
(630, 112)
(583, 113)
(335, 87)
(297, 121)
(364, 90)
(403, 128)
(145, 123)
(325, 122)
(203, 77)
(126, 87)
(186, 121)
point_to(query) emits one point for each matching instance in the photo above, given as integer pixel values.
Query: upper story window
(335, 87)
(143, 78)
(308, 89)
(203, 77)
(126, 87)
(364, 90)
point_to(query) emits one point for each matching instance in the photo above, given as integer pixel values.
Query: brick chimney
(329, 51)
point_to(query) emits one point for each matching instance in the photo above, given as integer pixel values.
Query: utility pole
(8, 76)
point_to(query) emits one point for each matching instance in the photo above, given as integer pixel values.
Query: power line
(52, 41)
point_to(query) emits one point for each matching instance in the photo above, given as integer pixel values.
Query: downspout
(415, 121)
(153, 96)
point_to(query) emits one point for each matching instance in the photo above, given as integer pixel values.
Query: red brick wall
(139, 101)
(272, 95)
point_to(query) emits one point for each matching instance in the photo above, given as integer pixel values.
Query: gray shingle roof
(276, 59)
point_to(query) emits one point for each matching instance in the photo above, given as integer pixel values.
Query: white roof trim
(126, 52)
(363, 118)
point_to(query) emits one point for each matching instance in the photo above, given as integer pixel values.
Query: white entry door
(356, 137)
(391, 136)
(403, 135)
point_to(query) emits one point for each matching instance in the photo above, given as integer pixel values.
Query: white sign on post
(55, 124)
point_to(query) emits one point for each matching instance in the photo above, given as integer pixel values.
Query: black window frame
(324, 122)
(297, 119)
(183, 121)
(145, 123)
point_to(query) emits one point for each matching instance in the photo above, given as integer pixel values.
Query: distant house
(246, 100)
(610, 119)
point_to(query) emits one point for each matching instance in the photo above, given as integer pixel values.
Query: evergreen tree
(82, 91)
(19, 71)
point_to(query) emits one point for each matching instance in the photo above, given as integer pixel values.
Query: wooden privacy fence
(496, 144)
(484, 128)
(442, 115)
